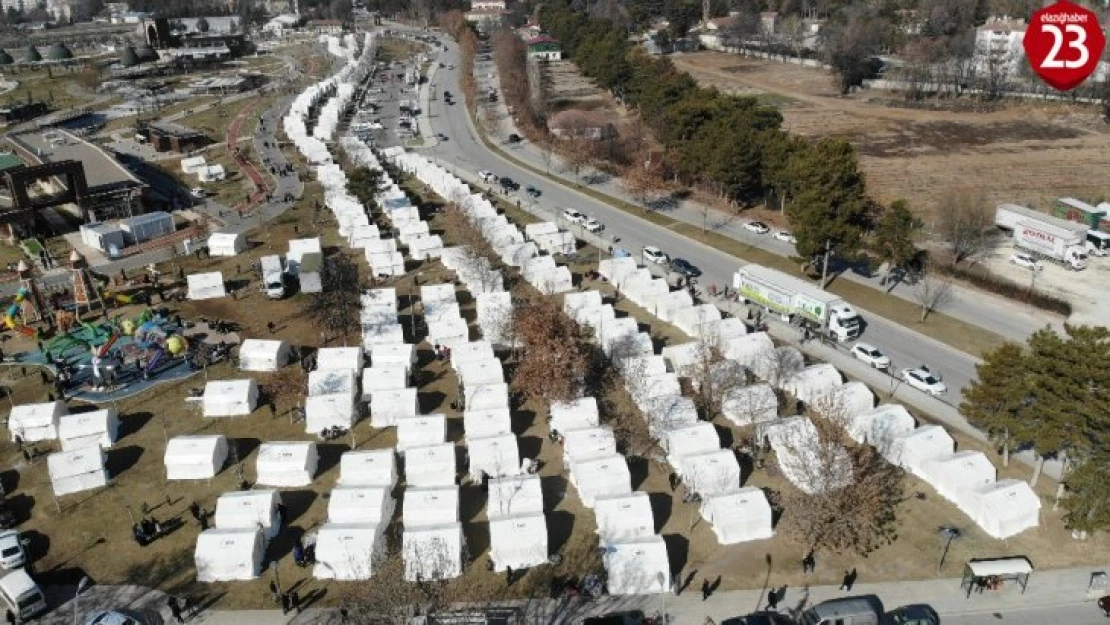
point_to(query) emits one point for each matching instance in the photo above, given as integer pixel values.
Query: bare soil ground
(566, 88)
(1027, 153)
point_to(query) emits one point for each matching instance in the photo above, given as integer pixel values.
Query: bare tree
(547, 152)
(578, 155)
(995, 63)
(620, 413)
(932, 292)
(286, 386)
(713, 379)
(964, 221)
(645, 181)
(337, 306)
(554, 363)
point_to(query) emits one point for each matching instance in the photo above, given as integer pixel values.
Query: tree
(340, 10)
(286, 387)
(993, 401)
(964, 220)
(932, 291)
(851, 44)
(713, 378)
(1088, 489)
(554, 361)
(644, 180)
(337, 307)
(894, 232)
(577, 154)
(202, 25)
(829, 212)
(363, 183)
(620, 413)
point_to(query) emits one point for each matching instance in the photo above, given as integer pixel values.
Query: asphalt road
(464, 152)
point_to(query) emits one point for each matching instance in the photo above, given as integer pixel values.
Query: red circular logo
(1064, 43)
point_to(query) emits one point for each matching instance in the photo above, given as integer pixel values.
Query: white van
(21, 595)
(273, 277)
(863, 610)
(12, 554)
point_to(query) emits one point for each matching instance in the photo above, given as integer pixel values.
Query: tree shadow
(329, 454)
(430, 401)
(133, 423)
(282, 544)
(661, 506)
(241, 448)
(477, 538)
(554, 489)
(472, 499)
(522, 421)
(560, 526)
(38, 545)
(638, 468)
(724, 433)
(297, 503)
(121, 459)
(678, 551)
(529, 446)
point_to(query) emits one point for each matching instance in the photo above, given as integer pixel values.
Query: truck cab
(1098, 243)
(273, 276)
(22, 595)
(845, 324)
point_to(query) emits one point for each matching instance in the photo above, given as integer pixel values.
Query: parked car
(1025, 260)
(515, 138)
(761, 618)
(12, 553)
(757, 227)
(912, 615)
(683, 266)
(593, 225)
(487, 176)
(116, 617)
(508, 184)
(871, 355)
(573, 216)
(532, 191)
(923, 380)
(655, 255)
(198, 193)
(616, 618)
(7, 515)
(786, 237)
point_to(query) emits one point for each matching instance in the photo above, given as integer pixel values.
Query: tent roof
(332, 381)
(86, 423)
(624, 517)
(430, 506)
(286, 455)
(589, 444)
(433, 465)
(261, 348)
(637, 567)
(695, 439)
(193, 448)
(63, 464)
(339, 358)
(576, 414)
(486, 423)
(514, 495)
(375, 467)
(246, 508)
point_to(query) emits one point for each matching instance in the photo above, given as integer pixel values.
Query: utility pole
(825, 265)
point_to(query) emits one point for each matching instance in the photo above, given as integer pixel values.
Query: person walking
(673, 478)
(271, 326)
(194, 511)
(175, 609)
(849, 580)
(809, 563)
(275, 592)
(203, 520)
(706, 590)
(9, 618)
(773, 600)
(286, 603)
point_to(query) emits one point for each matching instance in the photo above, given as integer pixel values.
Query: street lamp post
(81, 585)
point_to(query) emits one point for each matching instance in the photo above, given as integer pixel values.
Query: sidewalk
(969, 305)
(1046, 589)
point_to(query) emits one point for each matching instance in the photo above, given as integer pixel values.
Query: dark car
(761, 618)
(515, 138)
(912, 615)
(684, 267)
(616, 618)
(447, 95)
(532, 191)
(7, 516)
(509, 184)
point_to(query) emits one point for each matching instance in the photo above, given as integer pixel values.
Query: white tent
(697, 321)
(749, 350)
(486, 396)
(421, 431)
(480, 372)
(699, 438)
(431, 466)
(386, 407)
(393, 354)
(588, 444)
(576, 414)
(638, 567)
(494, 311)
(331, 358)
(288, 464)
(376, 467)
(813, 465)
(955, 476)
(600, 477)
(615, 269)
(205, 285)
(299, 249)
(783, 363)
(1006, 508)
(197, 457)
(249, 509)
(913, 450)
(514, 495)
(725, 329)
(383, 334)
(384, 378)
(224, 555)
(519, 542)
(486, 423)
(36, 422)
(846, 402)
(327, 411)
(191, 164)
(684, 358)
(332, 382)
(347, 551)
(581, 300)
(430, 506)
(881, 426)
(230, 398)
(624, 517)
(642, 365)
(100, 427)
(474, 351)
(749, 405)
(814, 383)
(711, 473)
(226, 243)
(740, 516)
(432, 552)
(76, 470)
(669, 413)
(495, 456)
(360, 504)
(667, 305)
(263, 355)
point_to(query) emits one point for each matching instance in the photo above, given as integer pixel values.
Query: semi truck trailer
(1058, 240)
(797, 301)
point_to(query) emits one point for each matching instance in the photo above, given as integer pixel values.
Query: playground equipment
(85, 293)
(11, 316)
(120, 298)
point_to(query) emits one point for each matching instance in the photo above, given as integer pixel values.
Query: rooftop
(172, 129)
(51, 146)
(542, 39)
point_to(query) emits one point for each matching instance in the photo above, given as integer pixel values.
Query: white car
(487, 176)
(757, 227)
(655, 255)
(593, 225)
(1026, 261)
(923, 380)
(871, 355)
(574, 216)
(12, 554)
(198, 193)
(785, 237)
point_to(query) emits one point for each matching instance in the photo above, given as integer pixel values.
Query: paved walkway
(1046, 590)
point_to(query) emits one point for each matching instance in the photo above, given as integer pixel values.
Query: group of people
(304, 555)
(289, 601)
(148, 530)
(442, 352)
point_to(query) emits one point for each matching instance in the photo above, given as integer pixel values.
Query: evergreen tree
(894, 234)
(993, 402)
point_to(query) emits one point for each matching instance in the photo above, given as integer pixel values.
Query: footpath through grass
(954, 332)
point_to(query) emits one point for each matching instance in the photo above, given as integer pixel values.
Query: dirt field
(1024, 153)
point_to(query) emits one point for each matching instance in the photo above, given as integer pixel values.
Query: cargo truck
(1058, 240)
(273, 276)
(797, 301)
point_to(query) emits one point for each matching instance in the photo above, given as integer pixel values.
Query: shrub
(988, 281)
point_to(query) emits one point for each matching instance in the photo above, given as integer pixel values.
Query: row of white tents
(967, 479)
(83, 437)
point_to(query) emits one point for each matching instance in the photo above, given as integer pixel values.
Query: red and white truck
(1048, 237)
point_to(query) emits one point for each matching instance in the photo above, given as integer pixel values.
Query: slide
(119, 297)
(103, 350)
(155, 360)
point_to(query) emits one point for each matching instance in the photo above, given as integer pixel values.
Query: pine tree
(894, 234)
(993, 402)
